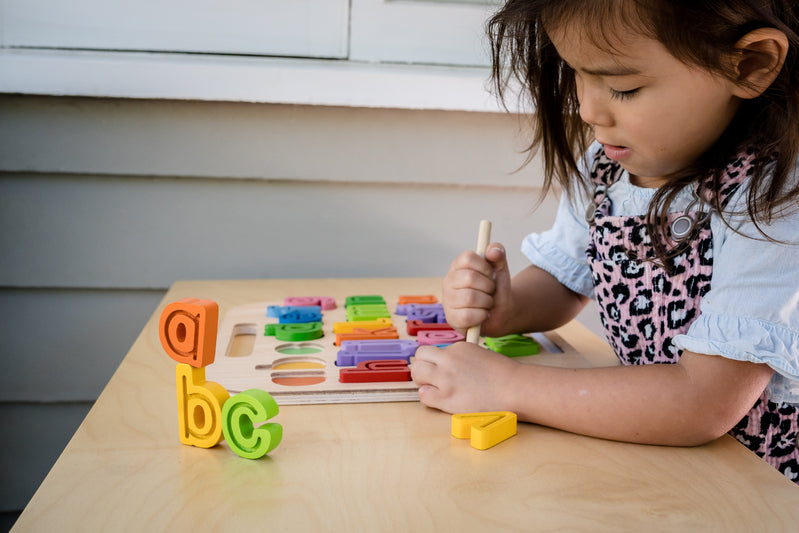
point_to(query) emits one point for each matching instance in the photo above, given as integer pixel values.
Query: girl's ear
(761, 54)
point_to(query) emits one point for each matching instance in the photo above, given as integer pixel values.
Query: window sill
(244, 79)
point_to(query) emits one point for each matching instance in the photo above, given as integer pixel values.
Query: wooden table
(382, 466)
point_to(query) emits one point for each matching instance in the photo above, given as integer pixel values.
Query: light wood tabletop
(381, 466)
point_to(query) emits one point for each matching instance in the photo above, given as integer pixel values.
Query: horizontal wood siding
(136, 232)
(262, 141)
(62, 345)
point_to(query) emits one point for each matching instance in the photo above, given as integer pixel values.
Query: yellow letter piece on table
(199, 407)
(239, 415)
(484, 429)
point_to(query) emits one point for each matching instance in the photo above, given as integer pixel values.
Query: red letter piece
(426, 338)
(187, 329)
(415, 326)
(376, 371)
(363, 334)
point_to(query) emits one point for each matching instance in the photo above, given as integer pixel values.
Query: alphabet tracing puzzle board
(306, 371)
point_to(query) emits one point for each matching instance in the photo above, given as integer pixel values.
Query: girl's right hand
(476, 291)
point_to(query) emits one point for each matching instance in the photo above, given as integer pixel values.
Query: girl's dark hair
(701, 33)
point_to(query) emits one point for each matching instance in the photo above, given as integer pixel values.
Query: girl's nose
(593, 108)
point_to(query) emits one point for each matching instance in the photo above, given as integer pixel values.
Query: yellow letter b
(199, 407)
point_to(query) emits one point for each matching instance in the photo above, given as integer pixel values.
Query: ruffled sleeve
(562, 254)
(561, 249)
(749, 339)
(751, 312)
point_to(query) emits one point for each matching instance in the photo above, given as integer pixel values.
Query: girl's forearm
(669, 404)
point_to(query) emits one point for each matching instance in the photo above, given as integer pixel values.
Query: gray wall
(105, 203)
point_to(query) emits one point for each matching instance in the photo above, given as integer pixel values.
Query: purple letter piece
(354, 352)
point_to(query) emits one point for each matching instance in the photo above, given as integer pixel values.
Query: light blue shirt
(751, 312)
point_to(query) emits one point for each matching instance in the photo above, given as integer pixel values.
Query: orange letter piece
(417, 299)
(359, 334)
(199, 407)
(188, 331)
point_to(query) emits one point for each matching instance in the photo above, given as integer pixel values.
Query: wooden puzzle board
(268, 364)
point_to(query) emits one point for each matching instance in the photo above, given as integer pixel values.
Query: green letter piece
(239, 415)
(358, 313)
(294, 332)
(513, 345)
(364, 300)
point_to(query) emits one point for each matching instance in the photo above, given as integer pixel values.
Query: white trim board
(244, 79)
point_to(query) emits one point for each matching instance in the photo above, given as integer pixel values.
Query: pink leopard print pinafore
(643, 307)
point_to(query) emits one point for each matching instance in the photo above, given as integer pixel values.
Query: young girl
(673, 130)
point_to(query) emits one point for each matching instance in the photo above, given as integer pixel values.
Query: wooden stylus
(483, 236)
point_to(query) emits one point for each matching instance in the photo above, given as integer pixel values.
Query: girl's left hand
(463, 378)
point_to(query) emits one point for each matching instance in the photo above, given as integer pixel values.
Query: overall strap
(605, 172)
(737, 169)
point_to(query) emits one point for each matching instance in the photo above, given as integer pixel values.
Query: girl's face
(654, 114)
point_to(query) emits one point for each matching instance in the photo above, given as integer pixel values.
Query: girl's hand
(476, 291)
(462, 378)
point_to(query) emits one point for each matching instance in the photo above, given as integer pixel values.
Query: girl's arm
(688, 403)
(480, 291)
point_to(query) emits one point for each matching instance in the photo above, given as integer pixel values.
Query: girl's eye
(623, 95)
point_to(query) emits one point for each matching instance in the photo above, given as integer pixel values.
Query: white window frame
(386, 78)
(295, 28)
(450, 33)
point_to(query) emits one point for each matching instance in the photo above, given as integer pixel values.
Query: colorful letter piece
(199, 407)
(417, 299)
(349, 327)
(367, 299)
(300, 317)
(325, 302)
(513, 345)
(240, 413)
(293, 314)
(415, 326)
(187, 329)
(354, 352)
(206, 412)
(428, 313)
(376, 371)
(433, 338)
(356, 313)
(358, 334)
(484, 429)
(409, 308)
(294, 332)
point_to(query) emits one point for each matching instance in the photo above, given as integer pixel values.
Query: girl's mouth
(617, 153)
